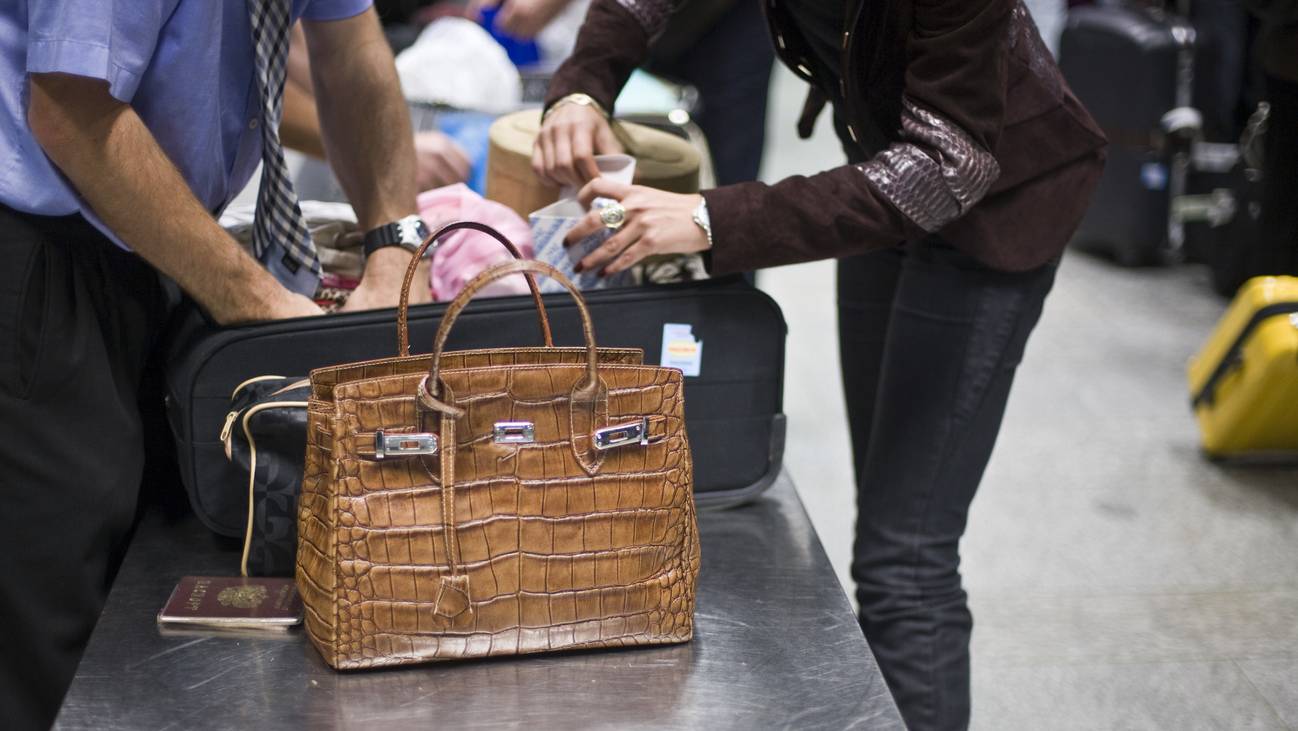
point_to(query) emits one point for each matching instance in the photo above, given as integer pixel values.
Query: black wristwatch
(408, 233)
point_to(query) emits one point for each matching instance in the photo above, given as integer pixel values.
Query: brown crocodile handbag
(495, 502)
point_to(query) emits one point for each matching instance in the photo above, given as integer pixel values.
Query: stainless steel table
(776, 646)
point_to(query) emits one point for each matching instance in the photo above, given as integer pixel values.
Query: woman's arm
(940, 167)
(614, 40)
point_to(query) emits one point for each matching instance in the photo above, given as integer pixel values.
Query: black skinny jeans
(930, 340)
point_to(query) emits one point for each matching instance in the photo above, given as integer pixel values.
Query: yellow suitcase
(1244, 382)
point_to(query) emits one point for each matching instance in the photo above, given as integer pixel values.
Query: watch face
(411, 231)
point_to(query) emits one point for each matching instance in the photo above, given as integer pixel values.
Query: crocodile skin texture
(506, 548)
(1025, 37)
(935, 173)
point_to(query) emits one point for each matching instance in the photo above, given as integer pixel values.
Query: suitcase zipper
(227, 429)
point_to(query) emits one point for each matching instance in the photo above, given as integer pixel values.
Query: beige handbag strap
(403, 317)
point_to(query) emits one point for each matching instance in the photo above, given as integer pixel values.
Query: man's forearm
(364, 118)
(299, 129)
(114, 162)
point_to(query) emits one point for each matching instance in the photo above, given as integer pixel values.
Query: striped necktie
(278, 229)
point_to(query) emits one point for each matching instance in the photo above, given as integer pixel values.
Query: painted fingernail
(576, 269)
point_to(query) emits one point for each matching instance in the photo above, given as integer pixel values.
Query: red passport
(233, 602)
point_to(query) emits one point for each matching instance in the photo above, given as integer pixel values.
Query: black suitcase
(1130, 65)
(1232, 253)
(733, 407)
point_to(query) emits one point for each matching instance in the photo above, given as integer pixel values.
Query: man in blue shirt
(124, 127)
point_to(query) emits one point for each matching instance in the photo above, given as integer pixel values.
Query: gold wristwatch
(585, 100)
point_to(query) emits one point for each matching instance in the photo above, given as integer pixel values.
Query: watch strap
(408, 233)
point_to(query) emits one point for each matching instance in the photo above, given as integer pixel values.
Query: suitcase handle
(428, 395)
(403, 317)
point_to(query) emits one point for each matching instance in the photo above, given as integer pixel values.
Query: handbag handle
(403, 317)
(426, 396)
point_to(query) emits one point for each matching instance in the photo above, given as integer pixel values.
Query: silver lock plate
(636, 432)
(403, 445)
(515, 432)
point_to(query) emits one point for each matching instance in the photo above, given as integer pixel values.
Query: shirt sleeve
(334, 9)
(112, 40)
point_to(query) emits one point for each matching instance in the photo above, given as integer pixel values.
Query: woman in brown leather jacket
(970, 164)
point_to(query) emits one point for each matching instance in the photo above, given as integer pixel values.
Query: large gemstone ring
(613, 215)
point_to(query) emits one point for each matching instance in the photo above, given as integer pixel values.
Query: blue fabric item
(522, 52)
(470, 131)
(186, 66)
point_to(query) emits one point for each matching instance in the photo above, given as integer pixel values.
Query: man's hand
(657, 222)
(439, 160)
(568, 142)
(520, 18)
(281, 305)
(381, 283)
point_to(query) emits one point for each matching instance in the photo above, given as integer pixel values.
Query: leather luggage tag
(233, 602)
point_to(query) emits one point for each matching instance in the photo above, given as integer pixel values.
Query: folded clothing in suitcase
(1244, 382)
(734, 418)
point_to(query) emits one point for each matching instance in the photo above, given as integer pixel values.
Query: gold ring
(613, 215)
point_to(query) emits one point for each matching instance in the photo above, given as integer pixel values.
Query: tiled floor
(1118, 580)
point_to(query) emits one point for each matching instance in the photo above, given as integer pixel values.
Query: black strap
(1206, 393)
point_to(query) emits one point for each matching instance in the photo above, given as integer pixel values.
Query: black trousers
(78, 323)
(730, 65)
(930, 340)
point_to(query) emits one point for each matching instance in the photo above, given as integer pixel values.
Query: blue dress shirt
(185, 66)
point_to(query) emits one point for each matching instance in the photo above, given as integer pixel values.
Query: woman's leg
(954, 337)
(867, 285)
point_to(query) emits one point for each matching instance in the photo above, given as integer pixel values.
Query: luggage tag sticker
(681, 349)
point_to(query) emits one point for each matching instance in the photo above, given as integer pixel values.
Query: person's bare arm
(114, 162)
(438, 160)
(300, 127)
(368, 139)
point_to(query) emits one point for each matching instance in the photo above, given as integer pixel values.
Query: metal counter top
(776, 646)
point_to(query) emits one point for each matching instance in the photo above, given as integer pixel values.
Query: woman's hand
(657, 222)
(569, 140)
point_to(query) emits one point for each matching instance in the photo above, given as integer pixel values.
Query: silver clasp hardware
(637, 432)
(401, 445)
(515, 432)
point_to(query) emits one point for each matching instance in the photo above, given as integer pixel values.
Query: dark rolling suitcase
(1131, 65)
(734, 418)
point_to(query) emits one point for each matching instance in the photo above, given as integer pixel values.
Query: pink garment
(463, 254)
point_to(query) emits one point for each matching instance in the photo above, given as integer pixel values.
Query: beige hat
(663, 161)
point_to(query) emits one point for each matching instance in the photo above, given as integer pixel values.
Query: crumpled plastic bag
(462, 255)
(457, 63)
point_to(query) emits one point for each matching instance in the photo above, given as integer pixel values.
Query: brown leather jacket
(987, 146)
